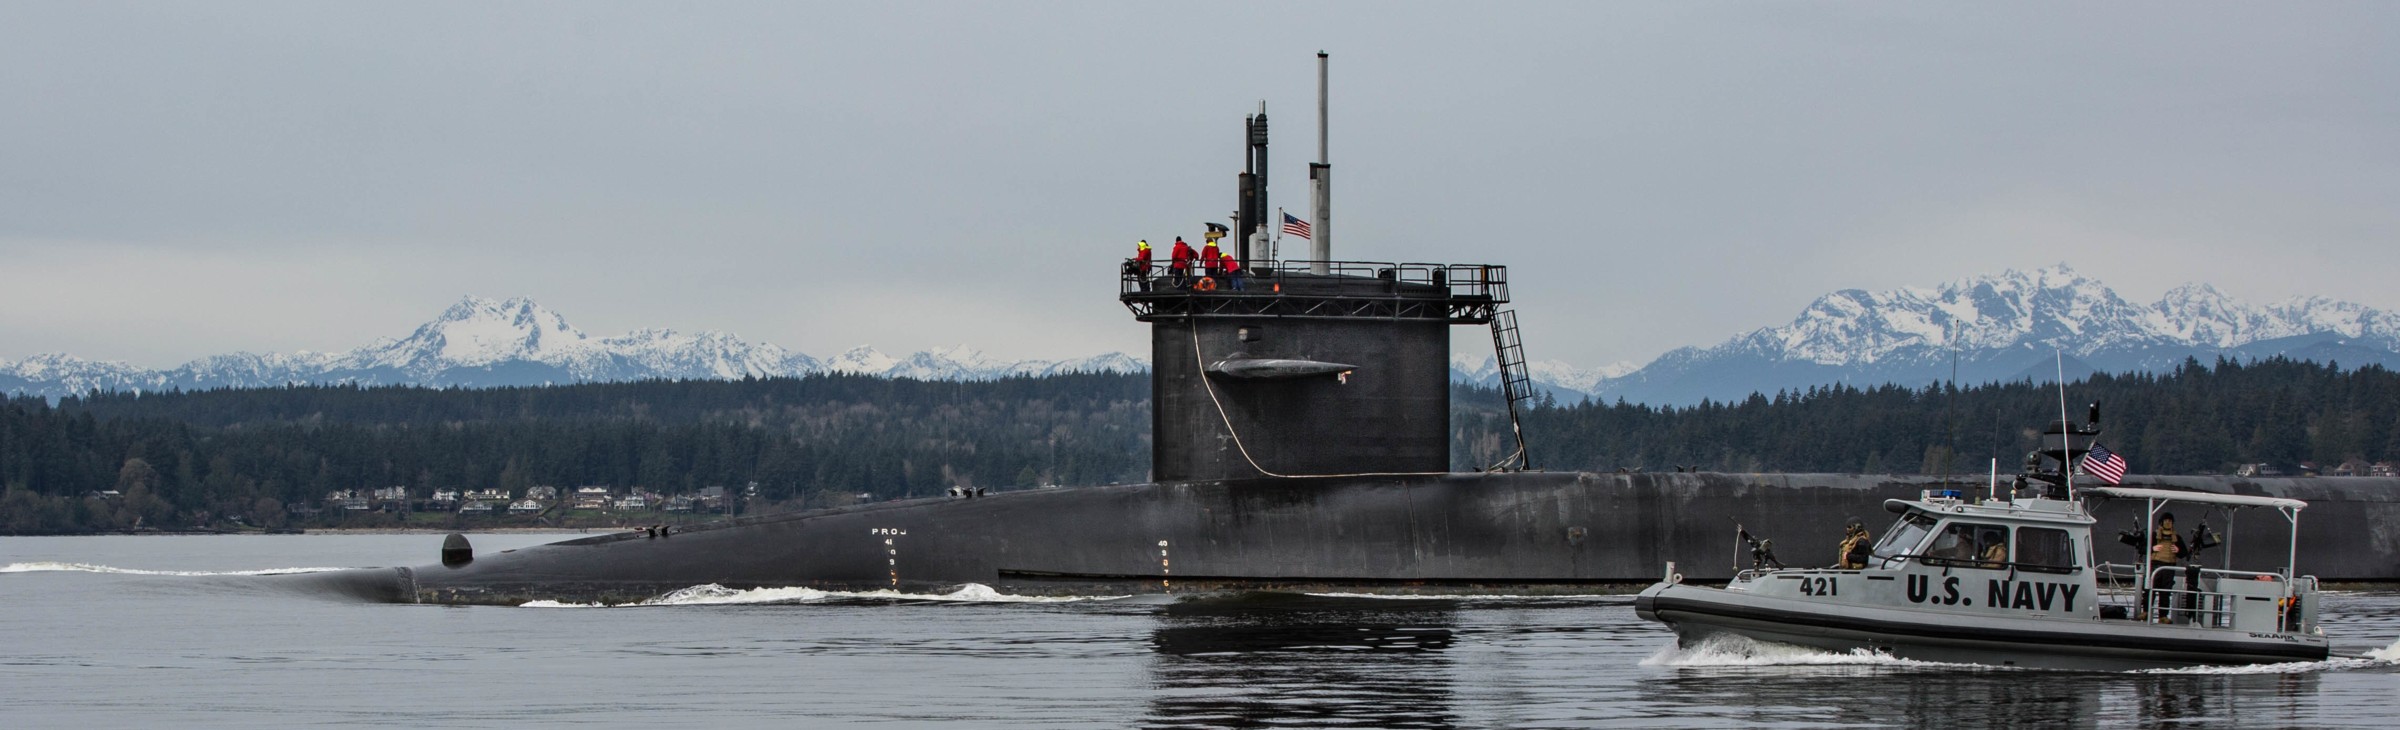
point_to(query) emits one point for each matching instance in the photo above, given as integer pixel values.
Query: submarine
(1301, 443)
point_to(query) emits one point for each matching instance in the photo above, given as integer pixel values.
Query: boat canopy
(2238, 500)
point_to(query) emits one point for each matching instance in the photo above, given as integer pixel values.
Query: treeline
(2198, 419)
(181, 460)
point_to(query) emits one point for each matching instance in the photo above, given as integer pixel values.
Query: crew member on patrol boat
(1995, 547)
(2166, 549)
(1857, 543)
(1233, 271)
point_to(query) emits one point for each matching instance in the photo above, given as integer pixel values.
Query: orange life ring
(1206, 283)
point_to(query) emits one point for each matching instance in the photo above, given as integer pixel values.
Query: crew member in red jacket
(1139, 267)
(1179, 263)
(1209, 258)
(1233, 271)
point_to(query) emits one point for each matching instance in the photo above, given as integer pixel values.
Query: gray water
(84, 646)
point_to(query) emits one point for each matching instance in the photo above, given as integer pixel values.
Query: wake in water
(1727, 650)
(717, 595)
(2387, 656)
(49, 567)
(2390, 654)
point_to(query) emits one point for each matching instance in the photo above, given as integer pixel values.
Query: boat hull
(1698, 614)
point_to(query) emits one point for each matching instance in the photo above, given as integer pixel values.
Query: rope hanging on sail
(1202, 368)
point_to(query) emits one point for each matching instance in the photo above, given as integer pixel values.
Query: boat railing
(2171, 596)
(1947, 561)
(1751, 574)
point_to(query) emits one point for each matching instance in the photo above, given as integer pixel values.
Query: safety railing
(1747, 575)
(1459, 293)
(2171, 595)
(1952, 561)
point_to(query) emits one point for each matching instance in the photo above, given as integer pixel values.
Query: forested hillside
(180, 460)
(2196, 419)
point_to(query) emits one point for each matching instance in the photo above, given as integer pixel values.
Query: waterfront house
(345, 499)
(591, 498)
(2259, 470)
(525, 507)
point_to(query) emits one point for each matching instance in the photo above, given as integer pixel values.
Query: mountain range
(2009, 326)
(481, 342)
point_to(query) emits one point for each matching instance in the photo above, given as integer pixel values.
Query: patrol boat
(2010, 580)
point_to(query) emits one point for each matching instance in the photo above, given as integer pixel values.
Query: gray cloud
(178, 180)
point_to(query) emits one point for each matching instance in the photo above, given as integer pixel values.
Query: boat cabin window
(1904, 536)
(2042, 549)
(1969, 544)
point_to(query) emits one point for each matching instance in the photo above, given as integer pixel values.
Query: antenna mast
(1320, 179)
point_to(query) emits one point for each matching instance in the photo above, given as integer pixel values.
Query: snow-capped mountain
(2008, 327)
(1564, 381)
(481, 342)
(966, 363)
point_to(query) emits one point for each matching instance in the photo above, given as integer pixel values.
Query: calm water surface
(85, 645)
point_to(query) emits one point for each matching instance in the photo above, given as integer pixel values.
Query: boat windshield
(1904, 536)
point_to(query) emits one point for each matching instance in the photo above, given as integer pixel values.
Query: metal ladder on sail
(1516, 383)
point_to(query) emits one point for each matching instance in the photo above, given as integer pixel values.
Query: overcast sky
(178, 180)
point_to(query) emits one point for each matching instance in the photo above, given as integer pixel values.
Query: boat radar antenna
(2062, 443)
(2066, 461)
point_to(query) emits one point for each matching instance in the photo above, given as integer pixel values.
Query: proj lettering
(2031, 595)
(2017, 594)
(1920, 590)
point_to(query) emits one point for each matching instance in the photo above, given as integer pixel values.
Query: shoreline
(349, 531)
(482, 531)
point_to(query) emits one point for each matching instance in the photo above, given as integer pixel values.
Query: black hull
(1473, 533)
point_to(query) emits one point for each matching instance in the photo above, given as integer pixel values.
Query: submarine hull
(1459, 533)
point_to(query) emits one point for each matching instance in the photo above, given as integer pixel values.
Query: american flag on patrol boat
(1294, 226)
(2102, 463)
